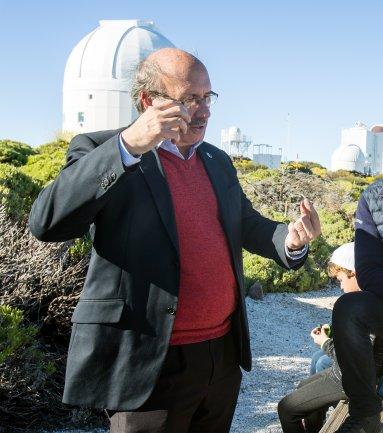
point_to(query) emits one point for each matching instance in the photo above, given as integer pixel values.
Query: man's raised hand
(164, 120)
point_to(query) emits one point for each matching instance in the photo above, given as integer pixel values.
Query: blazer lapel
(214, 171)
(161, 194)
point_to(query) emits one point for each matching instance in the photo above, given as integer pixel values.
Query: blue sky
(320, 61)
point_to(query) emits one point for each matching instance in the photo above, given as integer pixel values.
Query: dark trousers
(197, 391)
(309, 402)
(355, 316)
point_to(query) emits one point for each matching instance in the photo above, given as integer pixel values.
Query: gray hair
(146, 79)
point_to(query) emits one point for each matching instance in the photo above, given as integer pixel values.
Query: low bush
(13, 335)
(17, 191)
(46, 164)
(14, 153)
(273, 278)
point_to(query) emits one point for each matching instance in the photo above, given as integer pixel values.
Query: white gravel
(280, 328)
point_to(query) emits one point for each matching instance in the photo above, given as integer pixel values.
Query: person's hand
(319, 335)
(164, 120)
(305, 229)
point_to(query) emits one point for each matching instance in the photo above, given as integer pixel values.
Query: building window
(90, 96)
(80, 116)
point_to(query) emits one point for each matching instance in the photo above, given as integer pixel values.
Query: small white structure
(98, 74)
(234, 143)
(262, 154)
(361, 150)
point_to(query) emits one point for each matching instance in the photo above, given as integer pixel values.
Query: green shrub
(17, 191)
(273, 278)
(293, 166)
(246, 165)
(311, 165)
(337, 229)
(320, 172)
(47, 163)
(14, 153)
(81, 247)
(14, 336)
(255, 175)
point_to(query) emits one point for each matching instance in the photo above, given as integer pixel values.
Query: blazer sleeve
(265, 237)
(67, 207)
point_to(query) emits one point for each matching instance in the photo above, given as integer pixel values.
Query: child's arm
(321, 339)
(328, 348)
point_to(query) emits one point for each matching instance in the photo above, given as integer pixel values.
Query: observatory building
(98, 74)
(361, 150)
(236, 144)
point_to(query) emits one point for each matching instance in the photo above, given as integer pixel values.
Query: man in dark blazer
(160, 331)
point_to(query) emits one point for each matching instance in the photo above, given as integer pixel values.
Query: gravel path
(280, 325)
(280, 328)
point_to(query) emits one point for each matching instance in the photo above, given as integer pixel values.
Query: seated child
(320, 360)
(304, 410)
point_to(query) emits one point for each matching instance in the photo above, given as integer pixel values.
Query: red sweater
(207, 292)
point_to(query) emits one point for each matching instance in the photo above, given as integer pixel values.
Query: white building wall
(370, 143)
(271, 161)
(356, 136)
(90, 110)
(379, 152)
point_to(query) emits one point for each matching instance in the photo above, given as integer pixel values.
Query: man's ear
(146, 100)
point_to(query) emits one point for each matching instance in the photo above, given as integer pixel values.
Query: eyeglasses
(192, 102)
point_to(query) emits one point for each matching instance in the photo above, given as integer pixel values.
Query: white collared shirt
(128, 159)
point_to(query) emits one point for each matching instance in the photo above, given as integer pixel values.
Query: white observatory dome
(377, 129)
(98, 74)
(349, 157)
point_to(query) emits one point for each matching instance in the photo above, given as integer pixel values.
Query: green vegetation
(17, 191)
(46, 164)
(81, 247)
(277, 193)
(14, 336)
(275, 279)
(14, 153)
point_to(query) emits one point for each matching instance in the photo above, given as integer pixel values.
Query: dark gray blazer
(124, 319)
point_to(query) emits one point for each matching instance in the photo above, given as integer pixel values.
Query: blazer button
(171, 311)
(104, 183)
(113, 176)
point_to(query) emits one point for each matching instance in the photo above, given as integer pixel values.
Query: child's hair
(334, 269)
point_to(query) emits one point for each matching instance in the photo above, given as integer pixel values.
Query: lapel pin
(209, 155)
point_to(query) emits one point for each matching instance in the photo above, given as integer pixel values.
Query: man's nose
(203, 111)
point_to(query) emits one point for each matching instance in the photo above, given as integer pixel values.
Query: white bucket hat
(344, 256)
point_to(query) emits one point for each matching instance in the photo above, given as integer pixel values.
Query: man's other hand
(305, 229)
